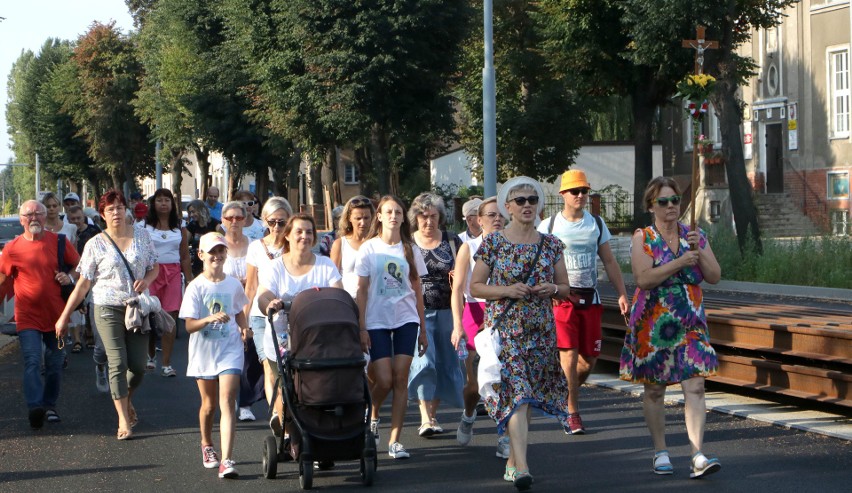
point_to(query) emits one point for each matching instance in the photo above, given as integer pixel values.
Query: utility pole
(489, 106)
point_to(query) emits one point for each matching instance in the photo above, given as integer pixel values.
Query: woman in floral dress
(668, 341)
(530, 374)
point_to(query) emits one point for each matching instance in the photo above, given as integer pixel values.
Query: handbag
(487, 343)
(582, 298)
(65, 289)
(150, 298)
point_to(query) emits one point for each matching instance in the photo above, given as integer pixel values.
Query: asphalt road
(80, 454)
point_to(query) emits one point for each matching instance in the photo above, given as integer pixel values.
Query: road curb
(783, 415)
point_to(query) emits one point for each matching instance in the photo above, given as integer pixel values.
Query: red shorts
(578, 329)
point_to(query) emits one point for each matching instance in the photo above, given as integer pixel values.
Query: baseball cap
(140, 210)
(471, 207)
(573, 178)
(210, 240)
(71, 196)
(135, 196)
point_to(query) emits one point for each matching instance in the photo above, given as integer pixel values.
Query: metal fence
(616, 208)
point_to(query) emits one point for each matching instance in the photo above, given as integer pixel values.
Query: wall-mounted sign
(747, 140)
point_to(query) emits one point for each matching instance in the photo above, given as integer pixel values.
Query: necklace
(673, 240)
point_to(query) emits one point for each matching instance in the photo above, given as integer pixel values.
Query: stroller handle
(288, 304)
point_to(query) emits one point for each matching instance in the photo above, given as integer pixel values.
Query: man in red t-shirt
(31, 262)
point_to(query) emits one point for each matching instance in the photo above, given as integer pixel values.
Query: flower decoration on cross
(695, 89)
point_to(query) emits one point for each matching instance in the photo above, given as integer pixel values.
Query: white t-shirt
(285, 286)
(463, 236)
(473, 246)
(256, 257)
(167, 244)
(581, 247)
(216, 347)
(254, 232)
(391, 301)
(348, 256)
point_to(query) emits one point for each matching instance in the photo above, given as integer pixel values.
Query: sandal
(523, 480)
(509, 474)
(124, 434)
(134, 419)
(662, 464)
(702, 466)
(76, 348)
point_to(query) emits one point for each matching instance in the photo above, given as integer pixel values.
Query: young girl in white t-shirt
(213, 310)
(390, 303)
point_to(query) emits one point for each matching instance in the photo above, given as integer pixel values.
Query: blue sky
(29, 23)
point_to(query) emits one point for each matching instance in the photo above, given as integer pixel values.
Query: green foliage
(827, 259)
(540, 115)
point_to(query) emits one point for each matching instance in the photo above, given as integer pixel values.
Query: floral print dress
(668, 341)
(530, 371)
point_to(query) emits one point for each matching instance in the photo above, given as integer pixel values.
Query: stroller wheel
(368, 470)
(270, 458)
(306, 474)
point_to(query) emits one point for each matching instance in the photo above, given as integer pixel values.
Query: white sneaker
(275, 424)
(151, 365)
(465, 430)
(168, 371)
(374, 427)
(397, 451)
(246, 414)
(503, 447)
(101, 380)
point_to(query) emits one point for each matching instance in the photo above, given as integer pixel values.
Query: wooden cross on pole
(700, 45)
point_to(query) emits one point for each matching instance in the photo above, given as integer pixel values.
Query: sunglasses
(360, 202)
(664, 201)
(276, 222)
(492, 215)
(233, 218)
(249, 203)
(577, 191)
(532, 199)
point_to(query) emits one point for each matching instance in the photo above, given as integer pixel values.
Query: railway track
(795, 351)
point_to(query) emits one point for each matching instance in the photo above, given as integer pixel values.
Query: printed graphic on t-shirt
(391, 273)
(215, 303)
(581, 264)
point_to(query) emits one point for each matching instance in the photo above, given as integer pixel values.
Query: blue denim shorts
(387, 343)
(230, 371)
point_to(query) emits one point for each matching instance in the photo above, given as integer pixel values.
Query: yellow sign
(792, 124)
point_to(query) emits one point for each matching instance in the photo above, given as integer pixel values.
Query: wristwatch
(555, 289)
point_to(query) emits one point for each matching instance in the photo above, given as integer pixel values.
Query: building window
(838, 185)
(838, 92)
(350, 174)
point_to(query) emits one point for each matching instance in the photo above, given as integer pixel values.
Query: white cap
(471, 207)
(210, 241)
(71, 196)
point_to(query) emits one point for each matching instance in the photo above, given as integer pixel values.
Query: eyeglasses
(249, 203)
(492, 215)
(115, 210)
(212, 196)
(276, 223)
(532, 199)
(33, 215)
(577, 191)
(233, 218)
(664, 201)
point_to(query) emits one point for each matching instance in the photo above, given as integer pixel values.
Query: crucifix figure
(700, 45)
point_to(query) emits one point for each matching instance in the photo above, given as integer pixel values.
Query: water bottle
(462, 350)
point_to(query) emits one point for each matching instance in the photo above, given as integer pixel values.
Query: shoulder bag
(65, 289)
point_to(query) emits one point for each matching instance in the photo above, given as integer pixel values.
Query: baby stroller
(323, 387)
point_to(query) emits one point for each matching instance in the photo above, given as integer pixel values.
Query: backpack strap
(599, 222)
(552, 220)
(60, 251)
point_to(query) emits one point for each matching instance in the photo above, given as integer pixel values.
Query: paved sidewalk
(783, 415)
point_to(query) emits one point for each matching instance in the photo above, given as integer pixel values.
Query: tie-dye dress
(530, 371)
(668, 341)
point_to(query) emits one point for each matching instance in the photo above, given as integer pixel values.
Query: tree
(540, 116)
(371, 74)
(108, 74)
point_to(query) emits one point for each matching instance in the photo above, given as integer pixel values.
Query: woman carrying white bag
(526, 270)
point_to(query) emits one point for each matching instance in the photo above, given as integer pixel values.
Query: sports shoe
(168, 371)
(36, 416)
(575, 425)
(397, 451)
(275, 424)
(374, 427)
(465, 430)
(209, 457)
(702, 466)
(523, 480)
(228, 470)
(101, 380)
(151, 365)
(503, 447)
(52, 416)
(246, 414)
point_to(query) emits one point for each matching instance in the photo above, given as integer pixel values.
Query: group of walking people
(424, 295)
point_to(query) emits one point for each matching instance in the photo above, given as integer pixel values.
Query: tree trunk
(379, 154)
(176, 169)
(366, 178)
(643, 118)
(202, 156)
